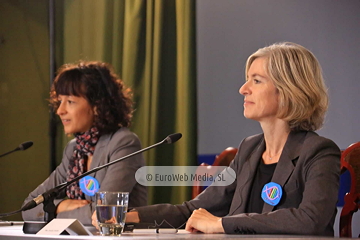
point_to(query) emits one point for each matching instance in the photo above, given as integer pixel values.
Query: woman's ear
(95, 111)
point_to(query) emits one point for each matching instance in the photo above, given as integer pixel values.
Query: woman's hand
(130, 217)
(94, 221)
(203, 221)
(70, 204)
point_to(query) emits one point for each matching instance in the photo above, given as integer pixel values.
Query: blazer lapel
(99, 152)
(246, 176)
(287, 162)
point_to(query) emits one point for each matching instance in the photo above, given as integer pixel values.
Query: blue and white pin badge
(271, 193)
(89, 185)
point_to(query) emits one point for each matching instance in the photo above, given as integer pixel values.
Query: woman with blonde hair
(287, 177)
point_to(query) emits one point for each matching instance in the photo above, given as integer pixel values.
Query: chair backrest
(223, 159)
(350, 160)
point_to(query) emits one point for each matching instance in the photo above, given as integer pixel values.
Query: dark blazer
(117, 177)
(308, 171)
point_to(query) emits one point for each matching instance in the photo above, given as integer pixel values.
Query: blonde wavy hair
(297, 75)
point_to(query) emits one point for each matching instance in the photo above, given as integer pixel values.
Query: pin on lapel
(271, 193)
(89, 185)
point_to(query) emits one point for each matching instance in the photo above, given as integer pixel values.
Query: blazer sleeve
(57, 177)
(320, 169)
(215, 199)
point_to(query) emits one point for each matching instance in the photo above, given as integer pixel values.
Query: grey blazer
(308, 171)
(117, 177)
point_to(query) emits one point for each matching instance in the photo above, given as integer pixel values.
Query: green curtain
(151, 44)
(24, 111)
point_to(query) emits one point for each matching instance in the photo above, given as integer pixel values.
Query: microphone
(25, 145)
(22, 147)
(173, 138)
(52, 193)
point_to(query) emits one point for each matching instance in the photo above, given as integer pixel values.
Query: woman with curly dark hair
(95, 106)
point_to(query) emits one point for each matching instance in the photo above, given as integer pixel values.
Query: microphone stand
(3, 155)
(49, 206)
(23, 146)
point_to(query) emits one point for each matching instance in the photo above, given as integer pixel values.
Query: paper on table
(58, 225)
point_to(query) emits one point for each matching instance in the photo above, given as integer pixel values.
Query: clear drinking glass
(111, 208)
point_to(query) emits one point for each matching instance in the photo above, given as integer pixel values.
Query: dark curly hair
(101, 87)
